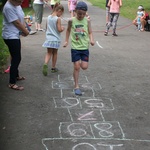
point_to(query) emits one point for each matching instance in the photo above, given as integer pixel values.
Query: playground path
(112, 114)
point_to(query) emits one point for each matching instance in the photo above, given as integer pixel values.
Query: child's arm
(59, 27)
(69, 5)
(46, 25)
(90, 33)
(68, 32)
(120, 3)
(136, 18)
(109, 3)
(144, 15)
(87, 16)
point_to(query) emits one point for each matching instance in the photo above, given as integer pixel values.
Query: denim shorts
(77, 55)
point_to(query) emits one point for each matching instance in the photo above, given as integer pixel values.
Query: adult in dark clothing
(13, 27)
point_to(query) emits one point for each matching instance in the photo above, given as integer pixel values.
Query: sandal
(53, 70)
(20, 78)
(77, 92)
(16, 87)
(45, 69)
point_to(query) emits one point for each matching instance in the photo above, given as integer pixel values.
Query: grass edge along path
(129, 8)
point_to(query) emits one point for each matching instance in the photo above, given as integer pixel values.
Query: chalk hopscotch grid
(63, 102)
(92, 130)
(84, 102)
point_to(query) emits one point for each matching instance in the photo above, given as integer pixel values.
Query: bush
(3, 48)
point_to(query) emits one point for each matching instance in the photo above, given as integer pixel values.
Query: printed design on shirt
(79, 31)
(73, 2)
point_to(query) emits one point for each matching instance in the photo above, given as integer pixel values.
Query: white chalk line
(98, 44)
(115, 139)
(102, 116)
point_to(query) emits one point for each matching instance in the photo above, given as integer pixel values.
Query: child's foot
(53, 70)
(114, 34)
(7, 70)
(77, 92)
(105, 33)
(32, 32)
(45, 69)
(41, 30)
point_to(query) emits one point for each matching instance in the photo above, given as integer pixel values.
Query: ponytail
(57, 7)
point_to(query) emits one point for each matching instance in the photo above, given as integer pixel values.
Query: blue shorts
(77, 55)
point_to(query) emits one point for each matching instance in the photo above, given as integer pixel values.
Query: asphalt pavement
(112, 114)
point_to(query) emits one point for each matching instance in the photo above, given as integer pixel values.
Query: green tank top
(79, 34)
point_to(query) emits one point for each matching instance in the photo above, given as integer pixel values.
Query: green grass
(3, 49)
(28, 11)
(129, 7)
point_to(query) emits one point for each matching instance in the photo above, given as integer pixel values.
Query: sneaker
(53, 70)
(41, 30)
(114, 34)
(32, 32)
(77, 92)
(45, 69)
(7, 70)
(106, 33)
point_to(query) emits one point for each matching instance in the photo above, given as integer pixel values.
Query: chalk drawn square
(67, 102)
(107, 130)
(93, 86)
(85, 115)
(101, 103)
(61, 85)
(90, 89)
(75, 130)
(88, 144)
(63, 77)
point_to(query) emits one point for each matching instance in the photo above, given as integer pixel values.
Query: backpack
(147, 16)
(147, 26)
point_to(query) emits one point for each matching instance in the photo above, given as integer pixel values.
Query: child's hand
(63, 28)
(88, 17)
(92, 43)
(65, 44)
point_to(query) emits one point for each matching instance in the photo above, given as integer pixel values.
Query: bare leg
(47, 59)
(76, 73)
(39, 26)
(77, 66)
(84, 65)
(143, 22)
(54, 58)
(36, 25)
(48, 55)
(135, 22)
